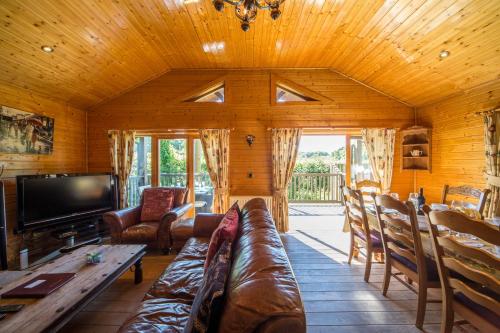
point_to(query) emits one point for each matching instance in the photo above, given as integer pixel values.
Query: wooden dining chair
(403, 250)
(367, 186)
(471, 292)
(466, 191)
(361, 235)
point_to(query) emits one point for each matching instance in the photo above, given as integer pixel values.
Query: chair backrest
(355, 211)
(367, 187)
(450, 255)
(180, 194)
(466, 191)
(400, 233)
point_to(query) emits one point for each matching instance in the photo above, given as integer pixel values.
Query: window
(212, 95)
(203, 189)
(173, 162)
(360, 164)
(284, 94)
(140, 175)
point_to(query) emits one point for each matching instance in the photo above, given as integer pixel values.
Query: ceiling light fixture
(246, 10)
(214, 47)
(444, 54)
(47, 49)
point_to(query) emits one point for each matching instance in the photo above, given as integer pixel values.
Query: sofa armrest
(205, 224)
(164, 236)
(119, 220)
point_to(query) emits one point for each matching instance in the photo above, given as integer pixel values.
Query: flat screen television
(45, 200)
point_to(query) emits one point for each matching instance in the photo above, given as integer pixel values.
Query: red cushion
(156, 202)
(227, 230)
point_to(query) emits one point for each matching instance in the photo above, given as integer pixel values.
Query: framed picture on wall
(25, 132)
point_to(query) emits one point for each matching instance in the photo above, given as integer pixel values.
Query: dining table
(427, 246)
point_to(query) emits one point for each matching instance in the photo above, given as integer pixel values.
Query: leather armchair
(126, 227)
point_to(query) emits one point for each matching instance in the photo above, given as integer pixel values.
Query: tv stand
(69, 237)
(73, 247)
(48, 243)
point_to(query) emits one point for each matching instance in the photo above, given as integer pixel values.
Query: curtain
(379, 144)
(492, 151)
(285, 145)
(215, 144)
(121, 148)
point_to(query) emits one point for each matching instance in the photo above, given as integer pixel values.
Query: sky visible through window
(328, 143)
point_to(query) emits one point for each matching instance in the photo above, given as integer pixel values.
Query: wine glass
(413, 198)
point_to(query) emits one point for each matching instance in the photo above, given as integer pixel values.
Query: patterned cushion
(156, 202)
(227, 229)
(209, 301)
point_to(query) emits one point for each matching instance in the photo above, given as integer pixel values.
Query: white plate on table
(439, 207)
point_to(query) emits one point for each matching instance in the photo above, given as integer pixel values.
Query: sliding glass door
(203, 189)
(140, 175)
(173, 162)
(360, 164)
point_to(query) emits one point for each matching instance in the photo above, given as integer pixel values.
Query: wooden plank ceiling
(103, 48)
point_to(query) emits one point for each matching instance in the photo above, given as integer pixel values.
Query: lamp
(250, 139)
(246, 10)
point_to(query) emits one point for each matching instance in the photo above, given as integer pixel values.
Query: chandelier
(246, 10)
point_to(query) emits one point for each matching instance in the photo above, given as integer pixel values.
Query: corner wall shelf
(416, 138)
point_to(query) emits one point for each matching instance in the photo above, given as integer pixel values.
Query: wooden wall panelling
(247, 112)
(69, 153)
(457, 140)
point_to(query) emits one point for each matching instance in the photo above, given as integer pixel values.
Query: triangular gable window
(285, 94)
(212, 95)
(285, 91)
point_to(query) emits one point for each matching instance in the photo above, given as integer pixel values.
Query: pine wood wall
(247, 109)
(457, 140)
(69, 149)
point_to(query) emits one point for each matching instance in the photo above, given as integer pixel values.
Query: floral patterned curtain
(285, 145)
(121, 148)
(379, 144)
(215, 144)
(492, 150)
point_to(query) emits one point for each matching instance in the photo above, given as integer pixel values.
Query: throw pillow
(227, 230)
(156, 202)
(209, 300)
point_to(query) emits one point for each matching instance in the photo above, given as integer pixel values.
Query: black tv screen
(51, 199)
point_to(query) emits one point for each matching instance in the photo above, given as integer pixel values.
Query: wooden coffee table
(53, 311)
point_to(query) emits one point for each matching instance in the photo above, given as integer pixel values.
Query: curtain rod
(487, 111)
(174, 130)
(333, 128)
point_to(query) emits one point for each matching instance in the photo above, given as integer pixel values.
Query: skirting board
(242, 200)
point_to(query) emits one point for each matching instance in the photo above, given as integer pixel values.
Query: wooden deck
(336, 298)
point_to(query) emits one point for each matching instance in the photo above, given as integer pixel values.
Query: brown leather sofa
(126, 228)
(262, 294)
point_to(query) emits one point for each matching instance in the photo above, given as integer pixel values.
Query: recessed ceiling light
(214, 47)
(444, 54)
(47, 49)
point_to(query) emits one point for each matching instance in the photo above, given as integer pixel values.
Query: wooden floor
(336, 298)
(110, 310)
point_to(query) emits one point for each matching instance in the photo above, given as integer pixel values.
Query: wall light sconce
(250, 139)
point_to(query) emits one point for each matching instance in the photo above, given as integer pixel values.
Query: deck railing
(304, 187)
(315, 187)
(136, 183)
